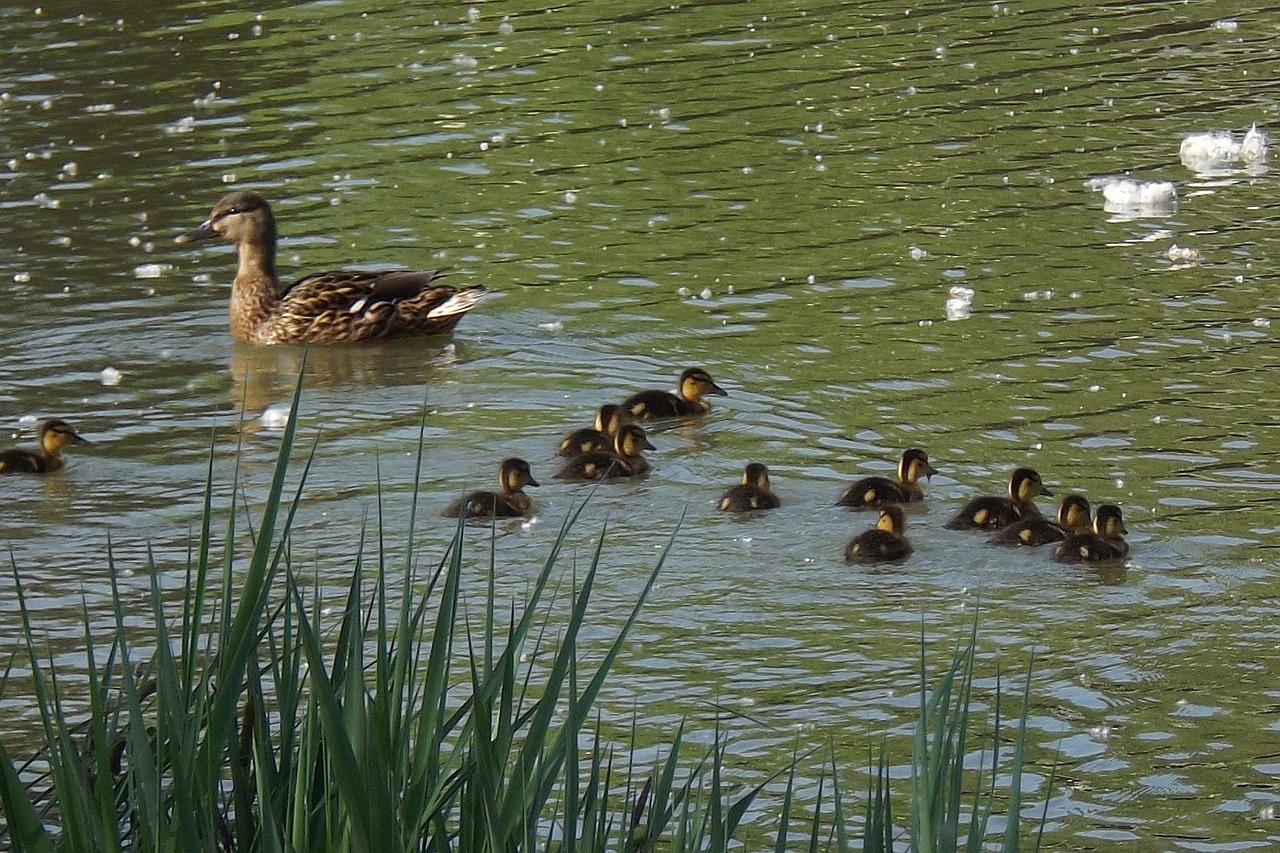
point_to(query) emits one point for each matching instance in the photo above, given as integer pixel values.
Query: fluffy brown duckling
(695, 383)
(626, 459)
(53, 435)
(608, 421)
(1106, 542)
(334, 307)
(878, 491)
(511, 501)
(752, 493)
(991, 512)
(1074, 516)
(883, 543)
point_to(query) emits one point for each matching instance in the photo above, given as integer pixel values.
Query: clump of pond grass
(251, 721)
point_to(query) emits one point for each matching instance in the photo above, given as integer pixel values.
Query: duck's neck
(256, 290)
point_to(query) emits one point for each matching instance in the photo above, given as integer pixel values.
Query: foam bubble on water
(473, 14)
(959, 304)
(274, 416)
(1225, 25)
(506, 28)
(570, 196)
(1216, 150)
(186, 124)
(1130, 197)
(706, 293)
(1184, 255)
(21, 278)
(151, 270)
(1262, 322)
(110, 376)
(552, 326)
(917, 253)
(46, 201)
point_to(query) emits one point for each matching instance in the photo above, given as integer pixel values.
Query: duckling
(991, 512)
(624, 461)
(694, 384)
(1106, 542)
(1073, 517)
(752, 493)
(878, 491)
(334, 307)
(53, 435)
(883, 543)
(513, 476)
(608, 421)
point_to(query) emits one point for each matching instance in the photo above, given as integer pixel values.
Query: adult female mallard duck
(511, 501)
(608, 421)
(53, 435)
(335, 307)
(883, 543)
(1073, 517)
(1106, 542)
(695, 383)
(878, 491)
(752, 493)
(626, 459)
(991, 512)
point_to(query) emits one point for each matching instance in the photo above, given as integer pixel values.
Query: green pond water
(869, 222)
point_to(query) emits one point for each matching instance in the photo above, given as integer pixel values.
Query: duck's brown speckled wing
(351, 305)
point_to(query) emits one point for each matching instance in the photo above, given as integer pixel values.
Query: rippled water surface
(787, 198)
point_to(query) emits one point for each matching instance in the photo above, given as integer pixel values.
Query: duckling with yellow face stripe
(879, 491)
(608, 421)
(884, 543)
(753, 492)
(1073, 517)
(513, 476)
(1106, 542)
(695, 383)
(53, 435)
(991, 512)
(626, 460)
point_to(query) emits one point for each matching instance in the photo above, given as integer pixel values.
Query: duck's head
(239, 217)
(756, 474)
(610, 419)
(914, 464)
(1025, 485)
(1109, 522)
(696, 383)
(1074, 512)
(514, 474)
(631, 440)
(55, 434)
(891, 519)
